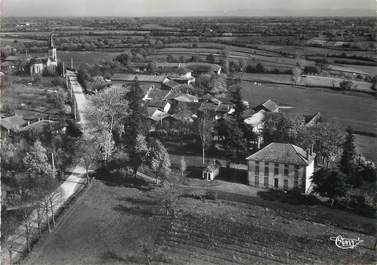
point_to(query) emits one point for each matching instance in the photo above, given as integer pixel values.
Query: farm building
(121, 78)
(281, 166)
(200, 68)
(211, 171)
(12, 124)
(269, 106)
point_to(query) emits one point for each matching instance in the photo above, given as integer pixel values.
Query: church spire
(51, 42)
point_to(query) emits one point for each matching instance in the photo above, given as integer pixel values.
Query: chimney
(311, 149)
(307, 153)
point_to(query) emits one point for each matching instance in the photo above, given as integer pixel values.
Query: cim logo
(346, 243)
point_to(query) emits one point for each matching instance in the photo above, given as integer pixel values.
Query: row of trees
(327, 138)
(121, 131)
(351, 180)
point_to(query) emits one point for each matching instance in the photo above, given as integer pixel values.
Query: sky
(184, 7)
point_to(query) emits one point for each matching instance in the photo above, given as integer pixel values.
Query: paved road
(17, 242)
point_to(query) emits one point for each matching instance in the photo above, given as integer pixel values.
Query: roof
(14, 58)
(159, 115)
(140, 78)
(282, 153)
(171, 83)
(39, 125)
(186, 98)
(156, 94)
(269, 105)
(207, 106)
(202, 67)
(312, 119)
(256, 119)
(212, 167)
(13, 123)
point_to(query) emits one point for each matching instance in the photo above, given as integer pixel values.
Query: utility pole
(53, 164)
(72, 63)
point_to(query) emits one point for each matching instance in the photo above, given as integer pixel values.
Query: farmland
(334, 106)
(122, 224)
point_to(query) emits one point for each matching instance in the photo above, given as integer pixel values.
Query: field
(367, 146)
(36, 100)
(333, 106)
(126, 224)
(82, 57)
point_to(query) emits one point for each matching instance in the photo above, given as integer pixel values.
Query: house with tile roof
(12, 124)
(269, 106)
(281, 166)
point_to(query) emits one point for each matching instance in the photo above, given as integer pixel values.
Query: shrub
(199, 195)
(212, 195)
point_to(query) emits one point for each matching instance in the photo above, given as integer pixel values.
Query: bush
(199, 195)
(212, 195)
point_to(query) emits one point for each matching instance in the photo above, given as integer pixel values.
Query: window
(266, 182)
(256, 180)
(286, 184)
(295, 183)
(276, 183)
(286, 169)
(256, 169)
(266, 170)
(276, 169)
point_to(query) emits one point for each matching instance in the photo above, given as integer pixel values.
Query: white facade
(280, 176)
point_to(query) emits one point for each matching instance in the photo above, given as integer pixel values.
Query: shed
(211, 171)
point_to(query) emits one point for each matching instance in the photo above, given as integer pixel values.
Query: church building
(39, 65)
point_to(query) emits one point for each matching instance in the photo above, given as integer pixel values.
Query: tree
(327, 139)
(158, 159)
(205, 125)
(346, 85)
(138, 153)
(276, 128)
(259, 68)
(88, 154)
(124, 58)
(296, 75)
(36, 161)
(107, 112)
(210, 58)
(347, 161)
(330, 183)
(182, 165)
(152, 67)
(233, 136)
(106, 145)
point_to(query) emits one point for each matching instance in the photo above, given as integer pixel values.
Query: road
(15, 245)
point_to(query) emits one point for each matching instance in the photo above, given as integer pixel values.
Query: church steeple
(52, 49)
(51, 42)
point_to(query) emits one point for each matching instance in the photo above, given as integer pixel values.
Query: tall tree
(205, 126)
(138, 153)
(107, 113)
(182, 165)
(88, 154)
(277, 128)
(296, 75)
(159, 159)
(330, 183)
(347, 161)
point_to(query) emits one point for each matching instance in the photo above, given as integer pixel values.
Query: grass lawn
(367, 146)
(333, 106)
(118, 224)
